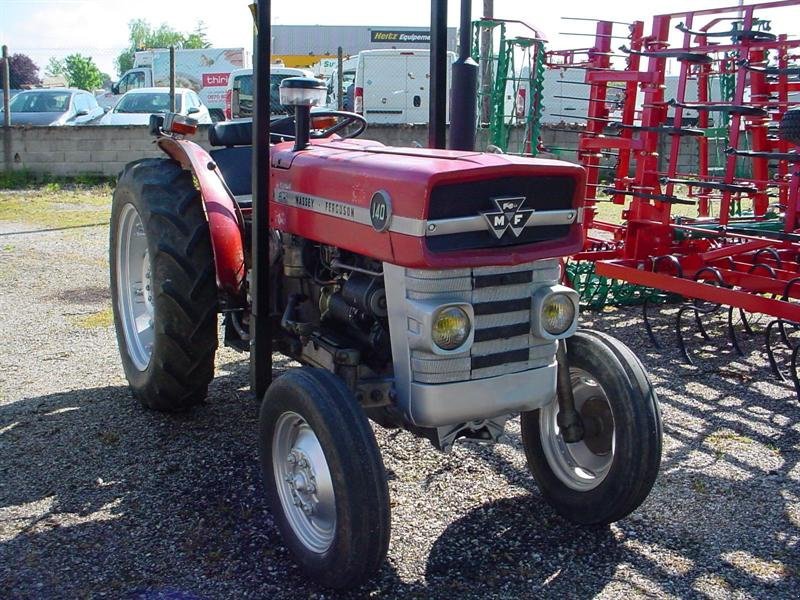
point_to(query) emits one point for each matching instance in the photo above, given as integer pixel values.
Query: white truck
(391, 86)
(203, 70)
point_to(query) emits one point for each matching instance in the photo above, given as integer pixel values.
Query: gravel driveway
(100, 498)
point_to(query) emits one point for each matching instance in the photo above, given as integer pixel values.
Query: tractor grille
(501, 299)
(453, 200)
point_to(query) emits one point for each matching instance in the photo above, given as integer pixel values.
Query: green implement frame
(510, 90)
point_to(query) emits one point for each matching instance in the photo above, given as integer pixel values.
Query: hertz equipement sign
(395, 36)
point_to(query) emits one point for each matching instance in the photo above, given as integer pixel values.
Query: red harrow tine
(740, 261)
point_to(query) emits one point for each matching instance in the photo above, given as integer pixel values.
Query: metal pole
(260, 330)
(8, 161)
(486, 65)
(6, 88)
(437, 126)
(339, 82)
(172, 78)
(464, 105)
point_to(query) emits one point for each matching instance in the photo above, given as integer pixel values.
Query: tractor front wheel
(163, 285)
(324, 477)
(611, 470)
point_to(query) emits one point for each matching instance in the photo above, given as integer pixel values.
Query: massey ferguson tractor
(418, 288)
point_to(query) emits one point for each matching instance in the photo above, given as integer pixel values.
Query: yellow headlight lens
(450, 328)
(558, 314)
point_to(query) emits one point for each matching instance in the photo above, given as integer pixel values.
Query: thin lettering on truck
(403, 37)
(215, 79)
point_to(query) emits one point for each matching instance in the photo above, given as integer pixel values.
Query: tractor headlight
(450, 328)
(558, 313)
(555, 312)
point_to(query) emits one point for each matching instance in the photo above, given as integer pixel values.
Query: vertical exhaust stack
(437, 126)
(464, 107)
(260, 334)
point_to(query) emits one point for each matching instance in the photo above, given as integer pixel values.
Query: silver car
(54, 106)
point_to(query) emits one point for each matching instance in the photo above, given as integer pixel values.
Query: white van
(392, 86)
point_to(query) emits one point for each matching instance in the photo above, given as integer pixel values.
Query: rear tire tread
(185, 294)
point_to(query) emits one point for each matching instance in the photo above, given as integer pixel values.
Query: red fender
(227, 240)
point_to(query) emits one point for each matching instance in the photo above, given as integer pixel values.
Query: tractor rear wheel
(610, 472)
(163, 285)
(789, 128)
(324, 477)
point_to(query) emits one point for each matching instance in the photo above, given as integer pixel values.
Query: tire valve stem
(568, 419)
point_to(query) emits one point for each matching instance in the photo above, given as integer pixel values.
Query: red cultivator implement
(719, 137)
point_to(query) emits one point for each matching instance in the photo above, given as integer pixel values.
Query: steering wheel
(344, 120)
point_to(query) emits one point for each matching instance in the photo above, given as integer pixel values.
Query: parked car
(205, 70)
(239, 94)
(136, 106)
(54, 106)
(13, 93)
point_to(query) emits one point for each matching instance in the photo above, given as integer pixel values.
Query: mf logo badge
(509, 216)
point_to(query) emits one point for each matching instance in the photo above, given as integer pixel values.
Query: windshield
(244, 85)
(40, 102)
(147, 103)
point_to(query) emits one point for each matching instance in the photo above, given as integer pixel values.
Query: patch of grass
(23, 179)
(98, 320)
(723, 436)
(57, 205)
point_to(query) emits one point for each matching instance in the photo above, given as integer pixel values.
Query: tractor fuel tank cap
(302, 91)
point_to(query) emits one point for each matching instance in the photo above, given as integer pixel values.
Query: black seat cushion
(231, 133)
(240, 131)
(236, 166)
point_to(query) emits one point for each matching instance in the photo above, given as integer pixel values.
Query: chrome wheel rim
(303, 481)
(584, 465)
(135, 287)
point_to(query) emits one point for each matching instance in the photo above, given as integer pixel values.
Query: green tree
(55, 67)
(79, 71)
(143, 36)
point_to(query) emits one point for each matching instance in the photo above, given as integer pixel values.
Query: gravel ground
(100, 498)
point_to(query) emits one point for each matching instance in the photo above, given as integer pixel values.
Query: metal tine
(579, 117)
(793, 370)
(647, 326)
(610, 87)
(732, 333)
(585, 99)
(773, 364)
(595, 20)
(604, 35)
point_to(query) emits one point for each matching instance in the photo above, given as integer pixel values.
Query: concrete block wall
(94, 150)
(105, 150)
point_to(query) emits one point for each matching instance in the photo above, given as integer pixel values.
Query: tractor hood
(424, 208)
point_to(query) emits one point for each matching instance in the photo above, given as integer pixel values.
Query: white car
(136, 106)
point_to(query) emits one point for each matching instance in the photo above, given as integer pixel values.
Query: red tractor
(419, 288)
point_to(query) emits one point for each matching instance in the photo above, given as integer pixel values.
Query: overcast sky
(44, 28)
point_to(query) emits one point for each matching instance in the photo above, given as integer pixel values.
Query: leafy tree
(55, 67)
(143, 36)
(22, 72)
(79, 71)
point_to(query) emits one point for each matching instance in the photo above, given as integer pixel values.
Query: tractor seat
(231, 133)
(240, 131)
(233, 153)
